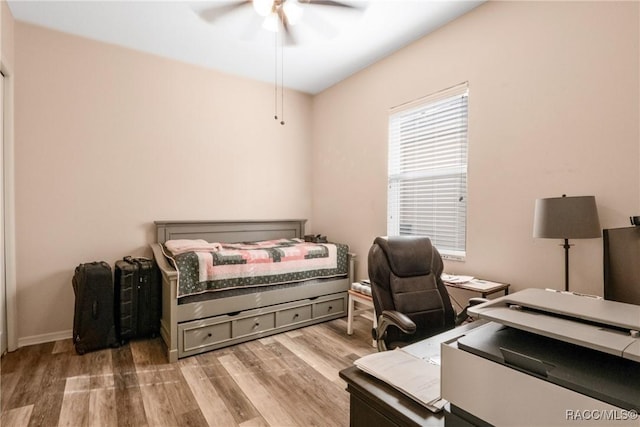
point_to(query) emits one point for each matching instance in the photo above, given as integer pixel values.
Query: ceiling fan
(276, 15)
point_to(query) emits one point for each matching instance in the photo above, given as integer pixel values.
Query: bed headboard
(229, 231)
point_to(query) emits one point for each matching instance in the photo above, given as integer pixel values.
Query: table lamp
(566, 218)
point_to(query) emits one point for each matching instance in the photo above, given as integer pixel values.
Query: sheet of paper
(415, 377)
(449, 278)
(482, 285)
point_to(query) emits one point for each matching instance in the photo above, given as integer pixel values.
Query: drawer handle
(295, 316)
(330, 307)
(256, 325)
(209, 334)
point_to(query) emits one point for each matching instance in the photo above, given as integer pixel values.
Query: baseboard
(44, 338)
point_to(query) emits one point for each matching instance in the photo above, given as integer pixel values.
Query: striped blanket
(269, 262)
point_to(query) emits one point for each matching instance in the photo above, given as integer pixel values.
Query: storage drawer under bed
(294, 315)
(328, 308)
(253, 325)
(207, 334)
(201, 336)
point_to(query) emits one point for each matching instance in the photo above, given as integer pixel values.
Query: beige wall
(109, 140)
(554, 98)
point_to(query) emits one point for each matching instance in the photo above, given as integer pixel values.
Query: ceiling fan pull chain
(282, 79)
(275, 78)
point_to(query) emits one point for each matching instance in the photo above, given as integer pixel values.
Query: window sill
(454, 257)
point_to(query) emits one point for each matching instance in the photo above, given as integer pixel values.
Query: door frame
(11, 305)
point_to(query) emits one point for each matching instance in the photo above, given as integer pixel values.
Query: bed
(204, 321)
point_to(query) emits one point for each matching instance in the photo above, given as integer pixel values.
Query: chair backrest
(405, 276)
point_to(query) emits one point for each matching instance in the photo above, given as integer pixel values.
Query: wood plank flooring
(290, 379)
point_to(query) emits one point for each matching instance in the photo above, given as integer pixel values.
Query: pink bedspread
(233, 265)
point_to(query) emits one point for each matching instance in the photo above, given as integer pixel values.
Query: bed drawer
(253, 324)
(214, 332)
(328, 308)
(293, 315)
(205, 335)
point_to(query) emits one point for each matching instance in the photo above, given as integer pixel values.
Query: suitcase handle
(94, 310)
(132, 260)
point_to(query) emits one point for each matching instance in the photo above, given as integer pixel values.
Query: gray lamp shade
(566, 218)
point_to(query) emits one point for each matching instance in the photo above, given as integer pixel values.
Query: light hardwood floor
(290, 379)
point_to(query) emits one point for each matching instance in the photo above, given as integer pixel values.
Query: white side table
(365, 304)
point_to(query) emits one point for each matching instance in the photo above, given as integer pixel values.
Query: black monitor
(622, 264)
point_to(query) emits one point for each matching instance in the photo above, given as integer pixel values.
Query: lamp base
(566, 247)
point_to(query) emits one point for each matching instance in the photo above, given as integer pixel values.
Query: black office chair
(409, 298)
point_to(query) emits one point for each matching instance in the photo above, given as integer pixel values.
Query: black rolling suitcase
(93, 322)
(138, 298)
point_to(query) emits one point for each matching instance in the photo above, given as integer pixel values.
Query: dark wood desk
(375, 403)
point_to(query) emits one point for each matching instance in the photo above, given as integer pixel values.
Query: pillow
(180, 246)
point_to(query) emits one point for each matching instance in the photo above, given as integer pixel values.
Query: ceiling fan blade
(319, 24)
(213, 13)
(329, 3)
(289, 40)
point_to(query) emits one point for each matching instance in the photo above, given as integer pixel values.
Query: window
(428, 170)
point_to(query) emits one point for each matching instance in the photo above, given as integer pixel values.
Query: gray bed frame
(197, 327)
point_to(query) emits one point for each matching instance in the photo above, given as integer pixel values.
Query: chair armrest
(391, 318)
(462, 316)
(399, 320)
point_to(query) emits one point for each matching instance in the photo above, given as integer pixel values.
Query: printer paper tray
(526, 310)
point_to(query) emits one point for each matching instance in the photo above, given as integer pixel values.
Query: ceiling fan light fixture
(271, 23)
(263, 7)
(293, 11)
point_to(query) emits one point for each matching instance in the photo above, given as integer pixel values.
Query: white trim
(433, 97)
(3, 293)
(9, 210)
(44, 338)
(453, 256)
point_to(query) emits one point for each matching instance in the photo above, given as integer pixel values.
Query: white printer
(545, 358)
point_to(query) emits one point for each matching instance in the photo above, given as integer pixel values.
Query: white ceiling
(331, 43)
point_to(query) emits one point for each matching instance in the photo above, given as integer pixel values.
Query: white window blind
(428, 170)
